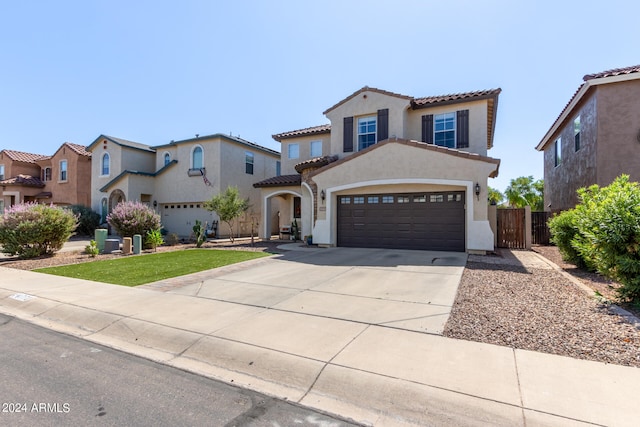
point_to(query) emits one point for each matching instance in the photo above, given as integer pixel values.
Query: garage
(426, 221)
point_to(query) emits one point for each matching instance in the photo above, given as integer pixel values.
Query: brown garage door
(428, 221)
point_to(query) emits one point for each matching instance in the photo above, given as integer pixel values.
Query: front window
(557, 146)
(1, 206)
(46, 174)
(167, 158)
(248, 163)
(196, 158)
(366, 132)
(106, 163)
(576, 132)
(316, 148)
(444, 130)
(293, 151)
(278, 168)
(1, 172)
(63, 170)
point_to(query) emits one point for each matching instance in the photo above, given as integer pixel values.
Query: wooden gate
(539, 228)
(511, 225)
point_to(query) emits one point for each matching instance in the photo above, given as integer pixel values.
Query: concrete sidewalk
(360, 368)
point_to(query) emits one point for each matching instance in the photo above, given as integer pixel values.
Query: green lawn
(138, 270)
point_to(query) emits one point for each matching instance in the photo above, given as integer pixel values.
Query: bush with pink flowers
(130, 218)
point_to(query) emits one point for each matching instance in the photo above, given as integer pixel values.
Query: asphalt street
(49, 378)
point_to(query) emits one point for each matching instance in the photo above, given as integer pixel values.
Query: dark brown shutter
(462, 129)
(427, 128)
(347, 143)
(383, 124)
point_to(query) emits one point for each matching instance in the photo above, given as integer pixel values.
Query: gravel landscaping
(534, 307)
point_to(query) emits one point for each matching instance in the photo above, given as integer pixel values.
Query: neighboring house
(391, 171)
(61, 179)
(595, 138)
(177, 178)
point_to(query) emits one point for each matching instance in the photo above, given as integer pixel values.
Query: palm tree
(524, 191)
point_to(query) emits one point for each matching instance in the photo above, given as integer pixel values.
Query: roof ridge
(612, 72)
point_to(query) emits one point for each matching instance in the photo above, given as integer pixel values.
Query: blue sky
(153, 71)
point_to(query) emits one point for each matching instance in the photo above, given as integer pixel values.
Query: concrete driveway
(411, 290)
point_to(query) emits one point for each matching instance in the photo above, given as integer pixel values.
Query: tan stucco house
(177, 178)
(595, 139)
(62, 179)
(390, 171)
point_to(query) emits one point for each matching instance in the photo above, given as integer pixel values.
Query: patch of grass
(138, 270)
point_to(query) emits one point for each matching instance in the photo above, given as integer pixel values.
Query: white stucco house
(178, 177)
(390, 171)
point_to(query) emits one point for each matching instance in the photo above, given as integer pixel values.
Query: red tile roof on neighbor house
(578, 94)
(26, 180)
(79, 149)
(21, 156)
(613, 72)
(314, 130)
(279, 181)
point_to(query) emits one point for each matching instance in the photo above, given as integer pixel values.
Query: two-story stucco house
(61, 179)
(178, 177)
(595, 139)
(391, 171)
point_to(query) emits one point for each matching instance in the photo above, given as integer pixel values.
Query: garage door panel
(432, 221)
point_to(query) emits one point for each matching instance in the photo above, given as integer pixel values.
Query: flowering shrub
(30, 230)
(129, 218)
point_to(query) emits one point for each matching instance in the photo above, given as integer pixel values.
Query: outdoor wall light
(155, 203)
(322, 195)
(478, 190)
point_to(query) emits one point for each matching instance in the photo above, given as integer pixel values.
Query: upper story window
(63, 170)
(557, 147)
(106, 164)
(248, 163)
(366, 132)
(197, 158)
(316, 149)
(293, 151)
(576, 133)
(278, 168)
(1, 172)
(444, 130)
(46, 174)
(167, 159)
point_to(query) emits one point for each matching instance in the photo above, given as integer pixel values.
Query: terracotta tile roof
(20, 156)
(454, 97)
(279, 181)
(79, 149)
(316, 162)
(314, 130)
(613, 72)
(26, 180)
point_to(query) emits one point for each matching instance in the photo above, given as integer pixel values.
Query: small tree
(495, 197)
(229, 206)
(524, 191)
(130, 218)
(30, 230)
(154, 239)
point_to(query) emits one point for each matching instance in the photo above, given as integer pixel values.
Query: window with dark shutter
(462, 129)
(383, 124)
(427, 128)
(347, 144)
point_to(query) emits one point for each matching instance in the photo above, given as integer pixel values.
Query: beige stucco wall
(366, 104)
(415, 169)
(477, 123)
(304, 142)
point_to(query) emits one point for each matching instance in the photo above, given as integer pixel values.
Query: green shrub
(154, 238)
(603, 234)
(30, 230)
(92, 249)
(564, 229)
(130, 218)
(199, 232)
(172, 239)
(88, 220)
